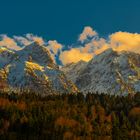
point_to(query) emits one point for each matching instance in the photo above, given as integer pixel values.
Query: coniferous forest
(69, 117)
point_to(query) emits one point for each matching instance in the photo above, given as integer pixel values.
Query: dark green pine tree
(115, 127)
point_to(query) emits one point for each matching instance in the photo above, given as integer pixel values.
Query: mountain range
(33, 69)
(110, 72)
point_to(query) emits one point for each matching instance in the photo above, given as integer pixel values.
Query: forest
(69, 117)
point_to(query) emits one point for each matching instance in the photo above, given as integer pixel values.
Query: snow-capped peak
(109, 72)
(32, 68)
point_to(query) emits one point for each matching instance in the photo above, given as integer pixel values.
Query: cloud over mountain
(8, 42)
(92, 44)
(19, 42)
(88, 44)
(74, 55)
(28, 38)
(125, 41)
(54, 46)
(87, 32)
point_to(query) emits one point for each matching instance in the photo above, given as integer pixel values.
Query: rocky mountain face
(110, 72)
(72, 70)
(32, 68)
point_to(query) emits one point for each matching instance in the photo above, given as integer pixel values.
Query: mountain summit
(110, 72)
(32, 68)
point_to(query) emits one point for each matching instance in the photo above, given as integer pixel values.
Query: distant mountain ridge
(110, 72)
(32, 68)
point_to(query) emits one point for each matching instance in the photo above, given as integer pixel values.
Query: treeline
(69, 117)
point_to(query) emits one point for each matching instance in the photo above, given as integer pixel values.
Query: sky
(64, 20)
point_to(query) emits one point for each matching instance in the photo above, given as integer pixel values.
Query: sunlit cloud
(88, 45)
(35, 38)
(119, 41)
(74, 55)
(87, 50)
(28, 39)
(54, 46)
(87, 32)
(8, 42)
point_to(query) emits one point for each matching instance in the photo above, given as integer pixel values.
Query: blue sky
(102, 23)
(63, 20)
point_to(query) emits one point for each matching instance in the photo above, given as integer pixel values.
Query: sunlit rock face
(33, 69)
(110, 72)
